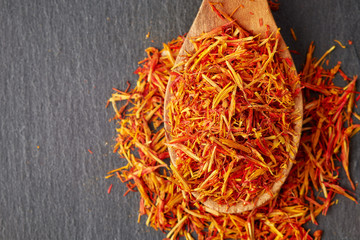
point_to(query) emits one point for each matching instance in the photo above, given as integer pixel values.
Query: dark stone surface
(59, 60)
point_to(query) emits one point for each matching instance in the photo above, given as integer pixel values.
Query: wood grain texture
(59, 60)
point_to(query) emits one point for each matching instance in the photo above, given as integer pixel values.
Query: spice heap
(232, 116)
(309, 190)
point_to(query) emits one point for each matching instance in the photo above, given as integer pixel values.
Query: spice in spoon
(232, 116)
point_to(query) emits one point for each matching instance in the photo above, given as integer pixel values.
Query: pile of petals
(309, 190)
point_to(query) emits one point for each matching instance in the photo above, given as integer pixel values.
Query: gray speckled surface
(59, 60)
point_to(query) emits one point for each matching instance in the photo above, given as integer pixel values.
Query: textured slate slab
(58, 62)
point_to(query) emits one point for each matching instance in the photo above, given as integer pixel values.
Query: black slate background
(59, 60)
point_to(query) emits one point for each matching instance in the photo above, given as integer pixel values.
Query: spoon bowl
(249, 15)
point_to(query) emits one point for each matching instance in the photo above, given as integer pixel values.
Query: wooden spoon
(248, 17)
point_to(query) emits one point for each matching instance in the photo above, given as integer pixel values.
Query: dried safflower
(308, 191)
